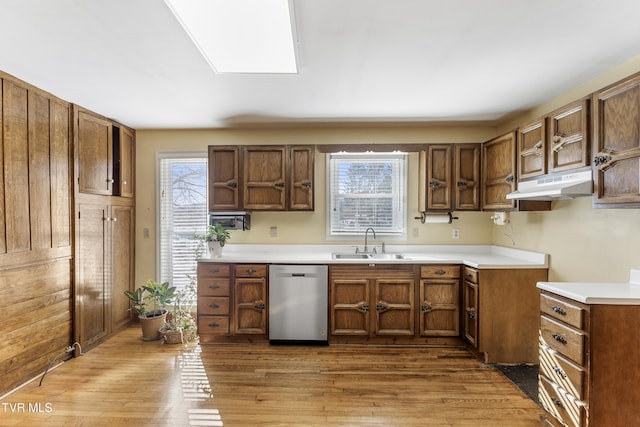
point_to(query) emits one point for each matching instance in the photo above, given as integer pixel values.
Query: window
(183, 212)
(366, 190)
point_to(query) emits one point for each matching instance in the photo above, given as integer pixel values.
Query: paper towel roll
(445, 218)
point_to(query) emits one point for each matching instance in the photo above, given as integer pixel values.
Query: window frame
(400, 192)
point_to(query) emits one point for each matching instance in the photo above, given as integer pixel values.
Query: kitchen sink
(389, 256)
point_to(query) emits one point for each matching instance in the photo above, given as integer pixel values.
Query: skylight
(240, 36)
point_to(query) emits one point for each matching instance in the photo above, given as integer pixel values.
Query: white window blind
(183, 212)
(366, 190)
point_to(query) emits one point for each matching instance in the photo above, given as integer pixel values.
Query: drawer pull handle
(250, 270)
(215, 270)
(559, 371)
(561, 339)
(559, 310)
(214, 286)
(440, 272)
(214, 325)
(213, 306)
(558, 403)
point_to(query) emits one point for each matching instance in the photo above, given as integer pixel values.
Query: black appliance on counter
(231, 220)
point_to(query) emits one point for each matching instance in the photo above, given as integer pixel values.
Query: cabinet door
(466, 179)
(532, 149)
(568, 136)
(250, 305)
(350, 307)
(438, 176)
(439, 307)
(394, 307)
(264, 177)
(498, 172)
(617, 144)
(470, 315)
(301, 178)
(122, 249)
(91, 287)
(95, 156)
(224, 169)
(125, 160)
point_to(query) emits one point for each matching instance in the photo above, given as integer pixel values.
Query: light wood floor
(126, 382)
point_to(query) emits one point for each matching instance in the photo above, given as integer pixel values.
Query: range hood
(566, 186)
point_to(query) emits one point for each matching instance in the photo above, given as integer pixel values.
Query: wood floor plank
(126, 381)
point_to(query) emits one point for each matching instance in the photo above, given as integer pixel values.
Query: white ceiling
(360, 60)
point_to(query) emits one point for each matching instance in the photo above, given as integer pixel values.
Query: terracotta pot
(151, 326)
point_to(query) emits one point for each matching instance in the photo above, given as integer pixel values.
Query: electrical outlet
(273, 231)
(455, 233)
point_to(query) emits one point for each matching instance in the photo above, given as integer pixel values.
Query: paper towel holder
(444, 218)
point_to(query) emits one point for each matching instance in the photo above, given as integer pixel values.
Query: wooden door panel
(122, 228)
(439, 161)
(439, 307)
(224, 185)
(16, 168)
(498, 172)
(95, 162)
(466, 181)
(127, 162)
(92, 294)
(301, 178)
(568, 137)
(350, 307)
(264, 173)
(394, 307)
(250, 315)
(532, 149)
(470, 314)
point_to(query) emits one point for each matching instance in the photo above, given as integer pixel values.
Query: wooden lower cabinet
(232, 302)
(589, 362)
(501, 315)
(439, 300)
(372, 300)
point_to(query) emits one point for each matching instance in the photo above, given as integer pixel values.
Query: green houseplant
(180, 326)
(149, 302)
(215, 237)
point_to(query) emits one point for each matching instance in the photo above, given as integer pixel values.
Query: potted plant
(149, 302)
(215, 237)
(180, 326)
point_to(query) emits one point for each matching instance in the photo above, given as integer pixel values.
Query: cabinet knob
(260, 306)
(110, 181)
(426, 307)
(214, 286)
(472, 312)
(214, 325)
(440, 272)
(558, 403)
(306, 184)
(461, 184)
(559, 371)
(213, 306)
(509, 179)
(250, 271)
(232, 184)
(124, 182)
(279, 184)
(559, 310)
(434, 184)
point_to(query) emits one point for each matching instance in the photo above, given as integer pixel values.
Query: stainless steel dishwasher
(298, 304)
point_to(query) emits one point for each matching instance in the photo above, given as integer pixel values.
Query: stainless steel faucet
(366, 235)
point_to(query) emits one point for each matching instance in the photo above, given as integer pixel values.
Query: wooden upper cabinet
(224, 170)
(124, 161)
(498, 172)
(616, 145)
(568, 137)
(301, 178)
(95, 156)
(532, 149)
(261, 177)
(450, 177)
(264, 175)
(466, 176)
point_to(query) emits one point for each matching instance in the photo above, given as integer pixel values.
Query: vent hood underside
(568, 186)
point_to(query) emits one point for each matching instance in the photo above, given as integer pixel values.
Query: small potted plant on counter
(215, 238)
(149, 302)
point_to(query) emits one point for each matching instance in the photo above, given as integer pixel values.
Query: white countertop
(478, 256)
(598, 292)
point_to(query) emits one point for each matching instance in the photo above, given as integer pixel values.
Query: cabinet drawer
(471, 275)
(561, 405)
(251, 270)
(213, 287)
(563, 339)
(440, 271)
(213, 305)
(213, 270)
(563, 372)
(562, 310)
(213, 324)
